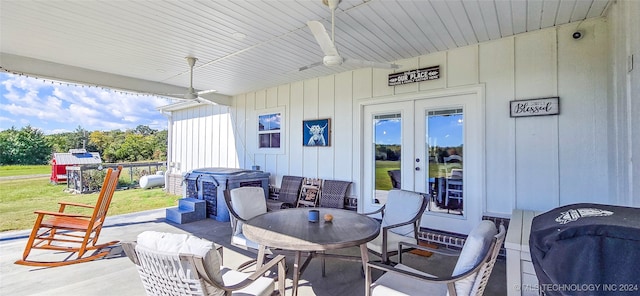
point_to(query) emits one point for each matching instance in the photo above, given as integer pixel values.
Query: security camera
(577, 35)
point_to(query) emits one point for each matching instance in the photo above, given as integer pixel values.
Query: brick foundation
(174, 185)
(455, 241)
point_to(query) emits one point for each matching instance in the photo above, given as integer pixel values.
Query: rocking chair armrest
(75, 204)
(59, 214)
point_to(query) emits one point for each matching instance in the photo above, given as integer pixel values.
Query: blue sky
(444, 131)
(388, 131)
(55, 107)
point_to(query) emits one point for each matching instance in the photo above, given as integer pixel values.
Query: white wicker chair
(469, 277)
(181, 264)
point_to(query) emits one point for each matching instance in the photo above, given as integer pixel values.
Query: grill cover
(587, 248)
(209, 184)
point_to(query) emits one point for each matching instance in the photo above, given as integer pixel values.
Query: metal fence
(88, 178)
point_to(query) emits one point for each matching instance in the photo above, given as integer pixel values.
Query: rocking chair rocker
(74, 233)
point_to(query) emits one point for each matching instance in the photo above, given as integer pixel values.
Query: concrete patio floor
(116, 275)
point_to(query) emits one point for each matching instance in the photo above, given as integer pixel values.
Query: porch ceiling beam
(66, 73)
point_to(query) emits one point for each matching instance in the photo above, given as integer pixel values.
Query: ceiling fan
(192, 94)
(328, 46)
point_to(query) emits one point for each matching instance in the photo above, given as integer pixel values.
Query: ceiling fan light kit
(192, 94)
(332, 60)
(333, 4)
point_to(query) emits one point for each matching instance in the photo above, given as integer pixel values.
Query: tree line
(30, 146)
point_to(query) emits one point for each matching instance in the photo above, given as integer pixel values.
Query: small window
(270, 129)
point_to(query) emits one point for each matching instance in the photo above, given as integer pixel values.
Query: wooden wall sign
(416, 75)
(535, 107)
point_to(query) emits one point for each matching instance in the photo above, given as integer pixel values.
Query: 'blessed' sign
(535, 107)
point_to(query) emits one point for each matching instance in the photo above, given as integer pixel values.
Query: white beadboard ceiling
(111, 42)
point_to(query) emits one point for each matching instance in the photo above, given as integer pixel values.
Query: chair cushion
(262, 286)
(391, 284)
(248, 202)
(185, 244)
(401, 206)
(392, 242)
(240, 240)
(475, 248)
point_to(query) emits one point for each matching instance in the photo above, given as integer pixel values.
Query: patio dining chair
(400, 222)
(72, 232)
(289, 192)
(469, 277)
(244, 203)
(182, 264)
(334, 193)
(396, 178)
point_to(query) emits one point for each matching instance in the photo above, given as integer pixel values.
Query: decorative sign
(416, 75)
(535, 107)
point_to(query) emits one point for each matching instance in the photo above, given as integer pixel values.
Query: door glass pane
(387, 131)
(445, 147)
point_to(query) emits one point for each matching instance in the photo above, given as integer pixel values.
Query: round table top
(290, 229)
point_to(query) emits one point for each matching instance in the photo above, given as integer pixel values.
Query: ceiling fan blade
(203, 100)
(310, 66)
(179, 96)
(204, 92)
(323, 39)
(362, 63)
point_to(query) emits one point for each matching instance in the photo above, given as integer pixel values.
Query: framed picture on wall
(316, 133)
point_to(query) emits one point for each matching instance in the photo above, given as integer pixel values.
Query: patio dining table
(290, 229)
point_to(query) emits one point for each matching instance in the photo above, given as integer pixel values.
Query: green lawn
(21, 170)
(383, 182)
(19, 198)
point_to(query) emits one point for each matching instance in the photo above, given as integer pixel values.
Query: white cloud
(82, 111)
(2, 118)
(58, 107)
(53, 102)
(131, 118)
(57, 131)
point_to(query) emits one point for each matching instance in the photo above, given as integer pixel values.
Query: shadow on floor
(116, 275)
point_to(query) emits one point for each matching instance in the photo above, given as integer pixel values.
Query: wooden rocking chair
(72, 233)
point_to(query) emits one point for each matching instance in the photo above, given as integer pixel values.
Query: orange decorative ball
(328, 217)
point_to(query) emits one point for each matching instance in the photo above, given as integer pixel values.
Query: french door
(429, 145)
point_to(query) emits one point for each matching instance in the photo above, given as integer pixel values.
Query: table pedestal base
(299, 267)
